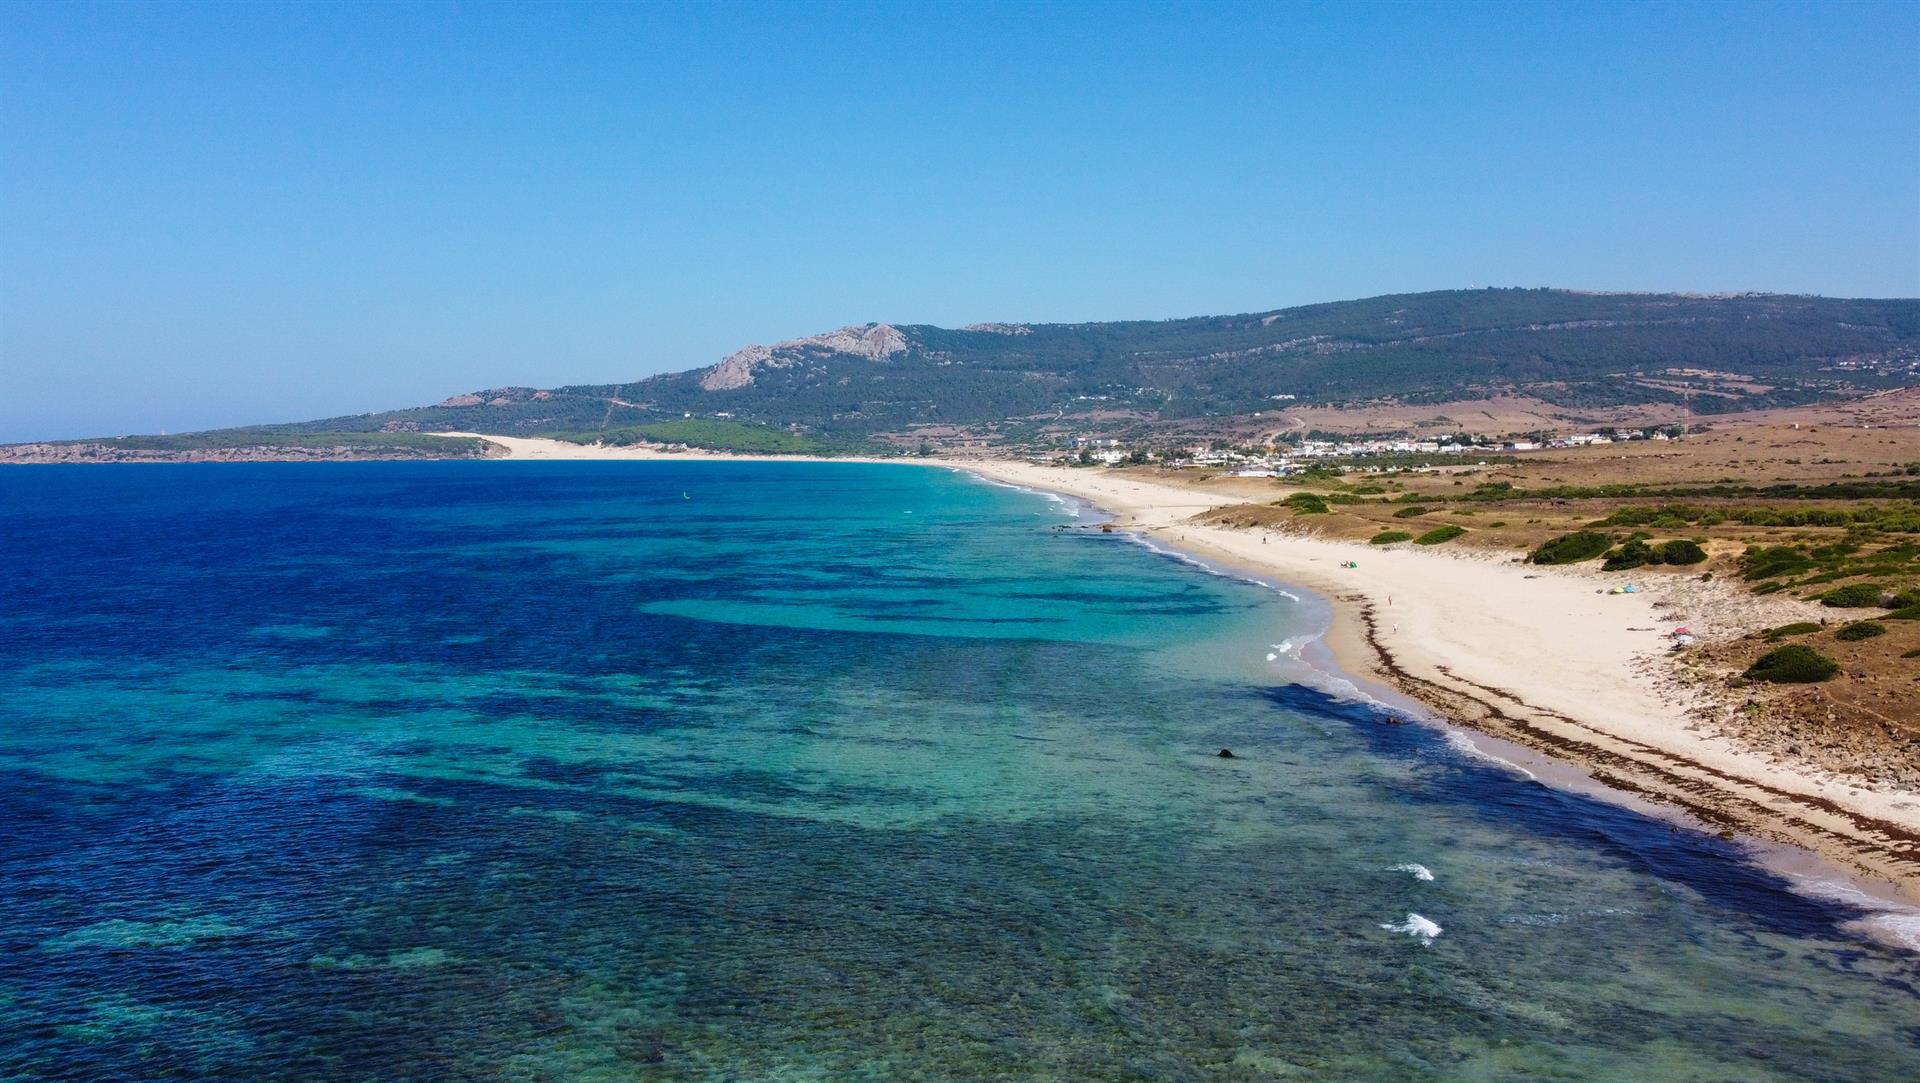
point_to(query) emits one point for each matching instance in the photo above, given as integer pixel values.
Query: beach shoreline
(1534, 657)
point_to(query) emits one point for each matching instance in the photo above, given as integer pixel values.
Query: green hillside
(1709, 355)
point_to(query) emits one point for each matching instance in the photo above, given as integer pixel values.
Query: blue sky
(218, 214)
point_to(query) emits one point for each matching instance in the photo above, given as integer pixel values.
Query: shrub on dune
(1631, 554)
(1852, 596)
(1572, 548)
(1306, 504)
(1682, 551)
(1795, 663)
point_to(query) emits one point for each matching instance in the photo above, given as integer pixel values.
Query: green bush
(1572, 548)
(1440, 534)
(1770, 561)
(1306, 504)
(1682, 551)
(1410, 512)
(1908, 612)
(1904, 598)
(1852, 596)
(1798, 628)
(1858, 630)
(1631, 554)
(1389, 537)
(1795, 663)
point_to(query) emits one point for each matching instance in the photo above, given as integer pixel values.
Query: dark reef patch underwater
(543, 771)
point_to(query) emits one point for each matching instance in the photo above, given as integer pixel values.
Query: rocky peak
(873, 341)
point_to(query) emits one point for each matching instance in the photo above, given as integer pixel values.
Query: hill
(1568, 354)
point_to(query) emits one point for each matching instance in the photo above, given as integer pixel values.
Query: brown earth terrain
(1864, 721)
(1497, 416)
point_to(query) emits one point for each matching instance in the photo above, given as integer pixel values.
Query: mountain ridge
(1011, 383)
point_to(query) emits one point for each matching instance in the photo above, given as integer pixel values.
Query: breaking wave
(1419, 928)
(1462, 742)
(1148, 543)
(1882, 919)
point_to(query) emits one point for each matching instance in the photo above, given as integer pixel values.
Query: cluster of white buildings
(1282, 459)
(1340, 449)
(1617, 436)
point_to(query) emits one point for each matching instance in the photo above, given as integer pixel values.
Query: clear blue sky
(217, 215)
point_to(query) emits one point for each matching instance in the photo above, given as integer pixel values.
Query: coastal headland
(1543, 657)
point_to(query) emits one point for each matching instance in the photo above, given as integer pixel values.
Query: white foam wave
(1420, 872)
(1897, 928)
(1561, 919)
(1462, 742)
(1064, 503)
(1289, 647)
(1288, 653)
(1341, 688)
(1152, 546)
(1071, 505)
(1292, 645)
(1884, 920)
(1417, 927)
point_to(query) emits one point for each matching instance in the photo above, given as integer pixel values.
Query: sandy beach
(1537, 656)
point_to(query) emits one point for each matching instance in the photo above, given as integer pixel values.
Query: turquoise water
(607, 771)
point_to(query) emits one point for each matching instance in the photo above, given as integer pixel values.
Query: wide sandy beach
(1540, 657)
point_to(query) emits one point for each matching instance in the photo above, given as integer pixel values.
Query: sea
(801, 771)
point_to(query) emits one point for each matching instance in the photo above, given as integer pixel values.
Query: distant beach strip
(1526, 654)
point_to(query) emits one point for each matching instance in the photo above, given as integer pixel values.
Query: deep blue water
(525, 771)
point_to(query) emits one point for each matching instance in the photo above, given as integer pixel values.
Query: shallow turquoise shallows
(610, 771)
